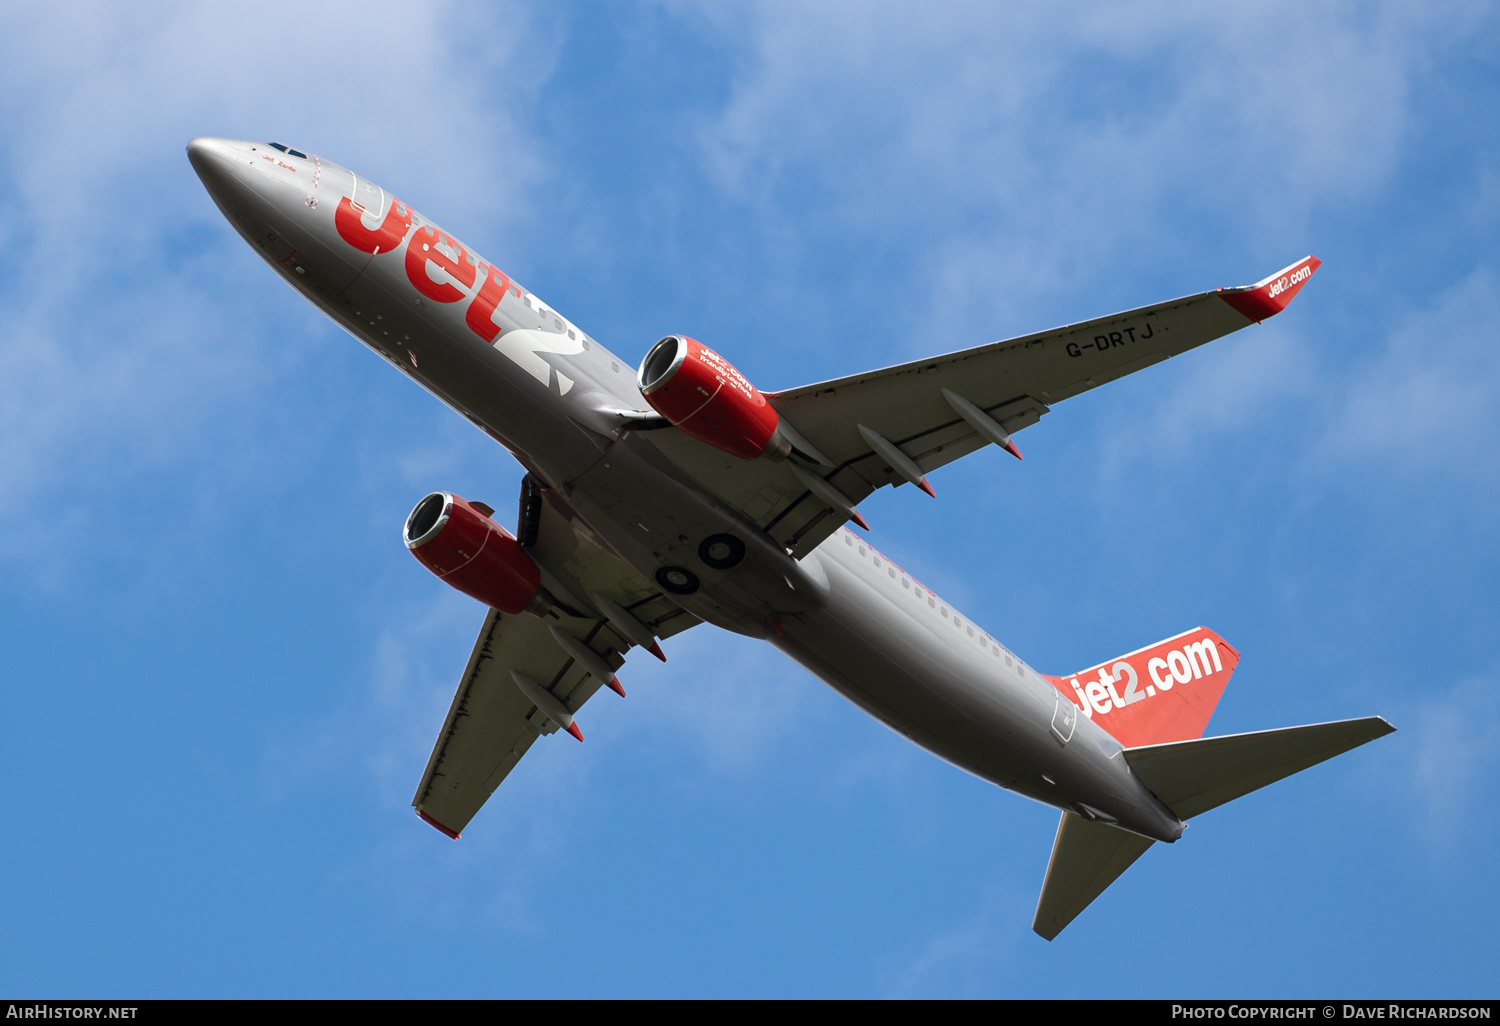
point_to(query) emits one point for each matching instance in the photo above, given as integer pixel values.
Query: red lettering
(424, 248)
(349, 219)
(481, 313)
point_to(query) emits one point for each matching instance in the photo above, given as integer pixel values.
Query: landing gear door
(1064, 720)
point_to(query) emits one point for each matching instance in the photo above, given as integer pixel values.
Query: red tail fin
(1165, 692)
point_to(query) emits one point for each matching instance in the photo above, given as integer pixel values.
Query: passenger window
(573, 336)
(905, 583)
(861, 550)
(945, 612)
(971, 632)
(931, 603)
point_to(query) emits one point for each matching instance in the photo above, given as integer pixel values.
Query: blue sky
(222, 674)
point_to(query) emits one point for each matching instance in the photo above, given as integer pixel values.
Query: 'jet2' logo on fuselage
(458, 272)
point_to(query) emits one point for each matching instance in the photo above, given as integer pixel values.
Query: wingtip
(422, 815)
(1269, 296)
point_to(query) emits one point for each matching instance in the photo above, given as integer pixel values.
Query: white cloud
(127, 323)
(969, 957)
(733, 699)
(1429, 402)
(1448, 768)
(1028, 150)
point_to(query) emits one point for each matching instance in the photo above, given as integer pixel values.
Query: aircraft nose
(216, 161)
(204, 150)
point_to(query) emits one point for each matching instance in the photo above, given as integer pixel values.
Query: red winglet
(436, 825)
(1269, 297)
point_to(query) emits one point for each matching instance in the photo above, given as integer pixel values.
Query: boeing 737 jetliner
(656, 499)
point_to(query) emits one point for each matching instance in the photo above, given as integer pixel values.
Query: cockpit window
(285, 149)
(278, 146)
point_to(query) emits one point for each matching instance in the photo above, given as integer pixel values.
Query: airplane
(659, 497)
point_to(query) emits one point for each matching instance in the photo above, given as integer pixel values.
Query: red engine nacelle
(700, 392)
(467, 549)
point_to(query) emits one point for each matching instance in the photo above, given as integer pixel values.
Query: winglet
(1269, 297)
(436, 825)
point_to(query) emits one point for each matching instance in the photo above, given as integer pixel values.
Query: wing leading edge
(924, 409)
(495, 717)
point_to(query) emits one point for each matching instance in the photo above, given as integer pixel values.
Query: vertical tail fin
(1164, 692)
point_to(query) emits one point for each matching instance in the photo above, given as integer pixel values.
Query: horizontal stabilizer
(1086, 858)
(1191, 777)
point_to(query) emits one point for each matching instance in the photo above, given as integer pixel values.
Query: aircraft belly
(867, 645)
(883, 660)
(637, 503)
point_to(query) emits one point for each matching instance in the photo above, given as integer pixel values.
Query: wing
(492, 722)
(926, 410)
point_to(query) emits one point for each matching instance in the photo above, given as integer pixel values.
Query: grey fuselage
(548, 393)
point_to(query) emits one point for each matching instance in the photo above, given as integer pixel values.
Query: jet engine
(700, 392)
(466, 548)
